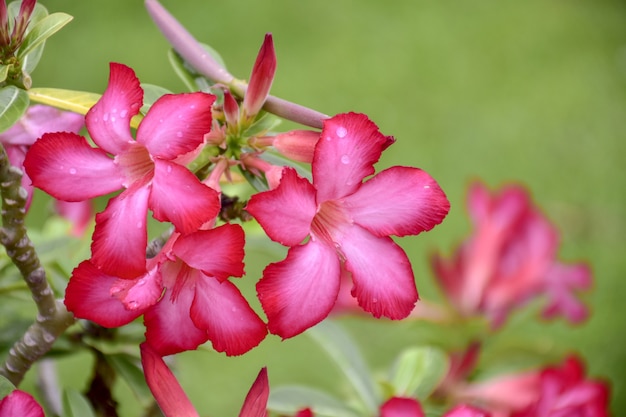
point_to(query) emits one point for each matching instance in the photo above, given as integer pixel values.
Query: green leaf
(259, 184)
(151, 93)
(30, 61)
(418, 371)
(76, 405)
(4, 72)
(39, 12)
(341, 348)
(129, 368)
(45, 28)
(289, 400)
(76, 101)
(263, 125)
(193, 80)
(6, 387)
(13, 103)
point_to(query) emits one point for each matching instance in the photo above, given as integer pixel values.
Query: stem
(193, 52)
(52, 318)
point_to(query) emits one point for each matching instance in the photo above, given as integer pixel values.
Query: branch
(53, 318)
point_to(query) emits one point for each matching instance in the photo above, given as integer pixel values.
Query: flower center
(329, 222)
(136, 163)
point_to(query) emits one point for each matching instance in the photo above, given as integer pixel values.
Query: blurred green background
(531, 92)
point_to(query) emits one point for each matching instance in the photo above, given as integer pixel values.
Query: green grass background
(531, 92)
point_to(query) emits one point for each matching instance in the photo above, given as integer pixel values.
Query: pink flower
(20, 403)
(174, 402)
(184, 294)
(401, 407)
(466, 411)
(564, 392)
(509, 259)
(147, 169)
(340, 224)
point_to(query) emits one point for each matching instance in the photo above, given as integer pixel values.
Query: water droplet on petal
(427, 186)
(374, 300)
(179, 134)
(169, 169)
(345, 159)
(342, 132)
(123, 113)
(72, 171)
(132, 305)
(139, 225)
(328, 138)
(105, 117)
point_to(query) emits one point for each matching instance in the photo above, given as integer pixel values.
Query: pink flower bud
(231, 109)
(298, 145)
(260, 79)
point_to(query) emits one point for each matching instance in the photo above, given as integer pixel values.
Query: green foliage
(5, 387)
(288, 400)
(13, 103)
(76, 405)
(41, 31)
(418, 371)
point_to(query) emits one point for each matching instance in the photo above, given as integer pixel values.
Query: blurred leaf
(45, 28)
(39, 12)
(263, 125)
(129, 368)
(259, 184)
(418, 371)
(13, 103)
(291, 399)
(341, 348)
(192, 79)
(5, 387)
(70, 100)
(76, 405)
(4, 72)
(151, 93)
(30, 61)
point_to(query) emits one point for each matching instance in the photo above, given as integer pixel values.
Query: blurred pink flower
(147, 169)
(509, 259)
(340, 224)
(20, 403)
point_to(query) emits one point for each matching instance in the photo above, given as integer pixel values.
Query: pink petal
(141, 293)
(166, 389)
(108, 121)
(40, 119)
(176, 124)
(398, 201)
(299, 292)
(66, 167)
(562, 283)
(401, 407)
(225, 257)
(88, 296)
(220, 309)
(466, 411)
(286, 212)
(20, 403)
(179, 197)
(349, 146)
(120, 237)
(169, 328)
(383, 279)
(255, 404)
(261, 78)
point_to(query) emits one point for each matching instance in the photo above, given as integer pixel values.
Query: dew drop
(328, 138)
(72, 171)
(112, 119)
(345, 159)
(179, 134)
(139, 225)
(123, 113)
(169, 169)
(132, 305)
(374, 300)
(427, 186)
(114, 111)
(105, 117)
(342, 132)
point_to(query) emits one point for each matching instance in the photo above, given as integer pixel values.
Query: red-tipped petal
(300, 291)
(261, 78)
(255, 404)
(169, 328)
(398, 201)
(349, 146)
(401, 407)
(176, 124)
(168, 393)
(383, 279)
(108, 121)
(20, 403)
(220, 309)
(88, 296)
(179, 197)
(120, 237)
(217, 252)
(286, 212)
(66, 167)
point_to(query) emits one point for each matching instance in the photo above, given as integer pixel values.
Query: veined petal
(164, 386)
(88, 296)
(286, 212)
(108, 121)
(216, 252)
(176, 124)
(20, 403)
(169, 328)
(120, 237)
(398, 201)
(179, 197)
(66, 167)
(349, 146)
(299, 292)
(383, 278)
(255, 404)
(231, 324)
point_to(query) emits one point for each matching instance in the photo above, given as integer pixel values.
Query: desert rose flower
(146, 169)
(20, 403)
(342, 224)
